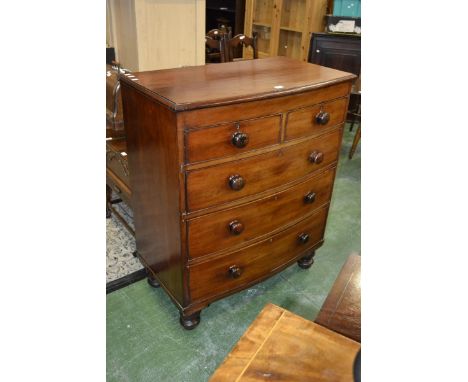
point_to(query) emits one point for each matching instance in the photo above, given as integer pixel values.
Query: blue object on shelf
(350, 8)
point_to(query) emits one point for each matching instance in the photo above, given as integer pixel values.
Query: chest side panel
(154, 177)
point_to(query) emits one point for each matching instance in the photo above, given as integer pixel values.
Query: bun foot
(153, 282)
(306, 261)
(190, 322)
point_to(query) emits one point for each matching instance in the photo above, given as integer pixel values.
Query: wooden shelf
(258, 23)
(292, 29)
(288, 22)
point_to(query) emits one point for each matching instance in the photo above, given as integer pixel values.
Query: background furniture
(156, 34)
(337, 51)
(341, 311)
(240, 41)
(117, 174)
(283, 26)
(215, 152)
(355, 116)
(226, 14)
(282, 346)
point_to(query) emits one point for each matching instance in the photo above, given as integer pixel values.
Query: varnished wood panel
(216, 141)
(153, 158)
(300, 123)
(234, 82)
(231, 113)
(281, 346)
(157, 34)
(210, 186)
(210, 233)
(212, 277)
(341, 311)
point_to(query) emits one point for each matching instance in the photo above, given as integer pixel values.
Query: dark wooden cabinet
(231, 171)
(337, 51)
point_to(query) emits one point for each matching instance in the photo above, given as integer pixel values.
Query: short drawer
(213, 232)
(232, 138)
(116, 160)
(314, 119)
(233, 180)
(237, 269)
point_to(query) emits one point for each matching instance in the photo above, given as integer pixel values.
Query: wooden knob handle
(322, 118)
(309, 198)
(239, 139)
(316, 157)
(236, 182)
(234, 271)
(303, 238)
(236, 227)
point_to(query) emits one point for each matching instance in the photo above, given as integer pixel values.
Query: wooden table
(281, 346)
(341, 311)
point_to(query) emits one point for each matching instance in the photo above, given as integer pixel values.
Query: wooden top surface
(231, 82)
(280, 346)
(341, 311)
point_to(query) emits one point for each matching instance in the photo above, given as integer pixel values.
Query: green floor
(146, 343)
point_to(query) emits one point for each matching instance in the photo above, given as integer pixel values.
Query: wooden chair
(356, 118)
(231, 45)
(215, 45)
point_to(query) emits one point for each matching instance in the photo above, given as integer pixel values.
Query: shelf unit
(283, 27)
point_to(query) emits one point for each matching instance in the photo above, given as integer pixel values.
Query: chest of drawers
(231, 170)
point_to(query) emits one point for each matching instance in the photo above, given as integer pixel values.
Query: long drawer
(216, 231)
(232, 138)
(239, 268)
(233, 180)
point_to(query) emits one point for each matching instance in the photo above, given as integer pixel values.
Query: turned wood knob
(303, 238)
(236, 227)
(236, 182)
(316, 157)
(239, 139)
(234, 271)
(309, 198)
(322, 118)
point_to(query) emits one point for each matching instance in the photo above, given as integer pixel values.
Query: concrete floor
(146, 343)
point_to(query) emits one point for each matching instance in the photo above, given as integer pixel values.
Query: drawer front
(215, 115)
(231, 181)
(314, 119)
(216, 231)
(240, 268)
(232, 138)
(118, 164)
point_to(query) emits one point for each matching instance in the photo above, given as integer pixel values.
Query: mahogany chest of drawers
(231, 171)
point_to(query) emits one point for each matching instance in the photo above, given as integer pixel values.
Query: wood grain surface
(341, 311)
(234, 82)
(281, 346)
(301, 123)
(215, 142)
(210, 233)
(261, 172)
(212, 277)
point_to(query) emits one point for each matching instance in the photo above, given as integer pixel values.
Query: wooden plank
(282, 346)
(341, 311)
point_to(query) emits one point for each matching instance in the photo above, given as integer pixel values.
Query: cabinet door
(292, 28)
(262, 17)
(342, 53)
